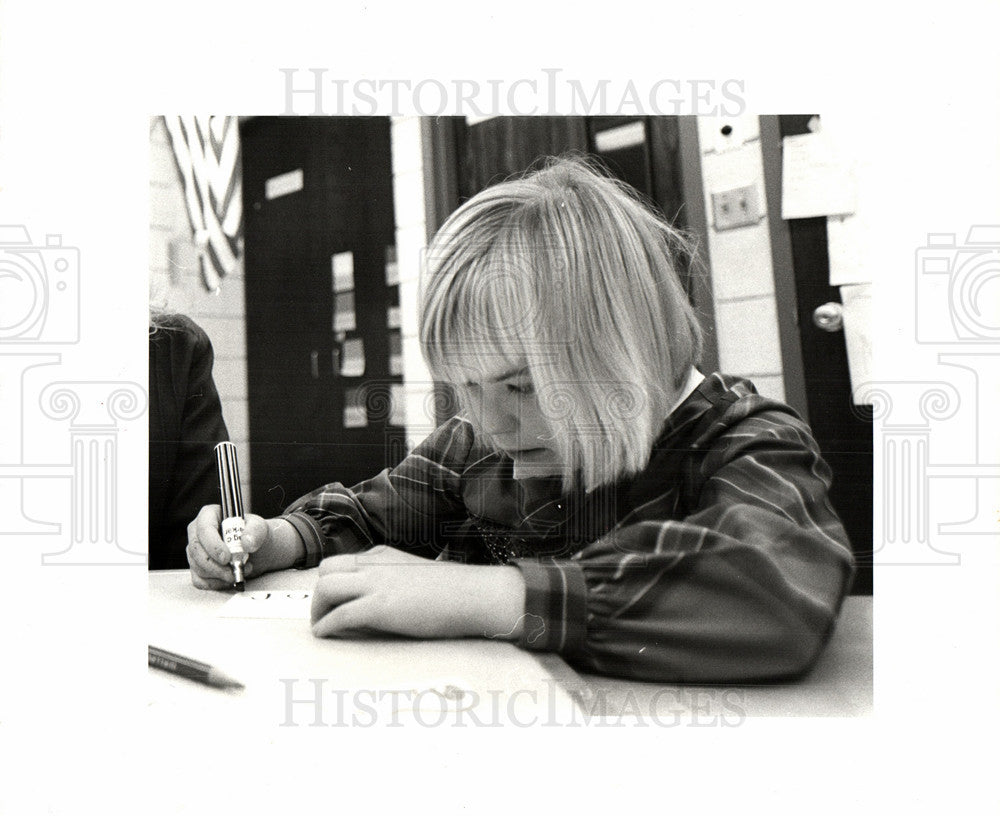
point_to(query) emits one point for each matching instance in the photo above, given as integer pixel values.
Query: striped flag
(207, 150)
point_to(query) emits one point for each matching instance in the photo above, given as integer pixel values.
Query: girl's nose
(498, 411)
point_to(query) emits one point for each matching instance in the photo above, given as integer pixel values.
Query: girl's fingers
(255, 533)
(351, 618)
(338, 563)
(200, 582)
(334, 590)
(205, 567)
(205, 530)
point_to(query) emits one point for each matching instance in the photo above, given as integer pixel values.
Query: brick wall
(746, 314)
(176, 285)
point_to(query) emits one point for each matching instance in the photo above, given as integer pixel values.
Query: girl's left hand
(388, 590)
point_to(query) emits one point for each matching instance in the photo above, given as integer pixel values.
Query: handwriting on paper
(288, 604)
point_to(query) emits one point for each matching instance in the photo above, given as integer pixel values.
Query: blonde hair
(567, 269)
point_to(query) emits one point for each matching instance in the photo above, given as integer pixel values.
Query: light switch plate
(739, 207)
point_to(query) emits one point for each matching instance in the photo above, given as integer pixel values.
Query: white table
(371, 681)
(293, 679)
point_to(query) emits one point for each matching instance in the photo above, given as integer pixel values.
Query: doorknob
(829, 317)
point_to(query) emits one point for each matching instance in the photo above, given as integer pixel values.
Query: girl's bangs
(478, 319)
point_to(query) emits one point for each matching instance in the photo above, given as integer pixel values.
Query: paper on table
(857, 302)
(817, 178)
(290, 604)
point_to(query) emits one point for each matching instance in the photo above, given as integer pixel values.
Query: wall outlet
(739, 207)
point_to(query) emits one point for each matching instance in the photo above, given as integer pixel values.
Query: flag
(207, 150)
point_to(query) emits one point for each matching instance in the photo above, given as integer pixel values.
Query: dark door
(646, 152)
(318, 195)
(843, 430)
(642, 151)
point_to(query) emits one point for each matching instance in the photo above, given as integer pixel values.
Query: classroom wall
(176, 285)
(740, 262)
(175, 282)
(746, 313)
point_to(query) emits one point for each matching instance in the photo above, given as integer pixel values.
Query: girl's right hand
(266, 541)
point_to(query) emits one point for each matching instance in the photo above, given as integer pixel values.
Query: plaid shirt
(723, 561)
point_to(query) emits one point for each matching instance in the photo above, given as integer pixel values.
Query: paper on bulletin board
(342, 268)
(285, 184)
(352, 361)
(395, 354)
(847, 238)
(393, 317)
(817, 177)
(288, 604)
(344, 318)
(857, 302)
(397, 409)
(355, 413)
(391, 267)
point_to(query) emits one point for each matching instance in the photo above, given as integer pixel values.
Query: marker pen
(232, 509)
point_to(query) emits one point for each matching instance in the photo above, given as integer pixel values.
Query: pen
(192, 669)
(232, 509)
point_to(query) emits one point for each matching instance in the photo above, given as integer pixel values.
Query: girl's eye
(521, 388)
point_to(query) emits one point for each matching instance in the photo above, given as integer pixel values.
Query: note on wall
(395, 354)
(343, 312)
(352, 358)
(817, 177)
(393, 317)
(343, 271)
(355, 415)
(847, 237)
(391, 266)
(857, 302)
(621, 137)
(397, 405)
(292, 604)
(284, 184)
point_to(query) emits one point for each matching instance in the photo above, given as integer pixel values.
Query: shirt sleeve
(744, 588)
(193, 480)
(404, 506)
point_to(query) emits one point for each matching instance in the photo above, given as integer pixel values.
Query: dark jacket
(185, 424)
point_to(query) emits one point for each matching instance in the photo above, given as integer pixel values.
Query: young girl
(597, 495)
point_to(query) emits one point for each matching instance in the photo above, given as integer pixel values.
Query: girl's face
(505, 406)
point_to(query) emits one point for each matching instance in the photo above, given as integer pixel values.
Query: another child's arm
(185, 424)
